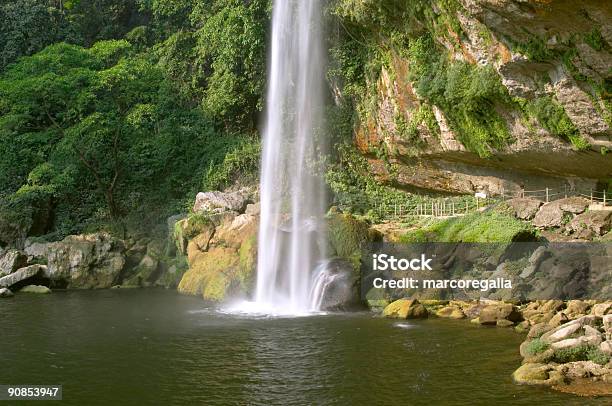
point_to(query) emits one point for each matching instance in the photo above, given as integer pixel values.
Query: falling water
(292, 192)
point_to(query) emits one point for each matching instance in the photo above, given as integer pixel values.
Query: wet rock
(450, 312)
(35, 289)
(12, 260)
(490, 314)
(536, 374)
(4, 292)
(216, 202)
(405, 309)
(339, 284)
(504, 323)
(22, 275)
(524, 208)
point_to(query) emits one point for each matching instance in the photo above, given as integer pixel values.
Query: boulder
(490, 314)
(35, 289)
(217, 202)
(337, 286)
(504, 323)
(566, 330)
(4, 292)
(405, 309)
(11, 261)
(552, 214)
(524, 208)
(536, 374)
(577, 308)
(606, 347)
(576, 342)
(591, 224)
(601, 309)
(190, 227)
(451, 312)
(89, 261)
(22, 275)
(574, 205)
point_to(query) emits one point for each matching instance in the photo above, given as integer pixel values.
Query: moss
(347, 234)
(536, 346)
(552, 116)
(595, 39)
(476, 227)
(247, 263)
(205, 269)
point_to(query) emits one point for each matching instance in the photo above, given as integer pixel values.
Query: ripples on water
(156, 347)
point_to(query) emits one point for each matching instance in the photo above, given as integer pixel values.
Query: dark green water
(156, 347)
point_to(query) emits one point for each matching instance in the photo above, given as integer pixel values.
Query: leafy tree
(99, 133)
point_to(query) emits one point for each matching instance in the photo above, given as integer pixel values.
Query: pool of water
(134, 347)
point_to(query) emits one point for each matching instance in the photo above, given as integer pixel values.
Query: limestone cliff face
(549, 122)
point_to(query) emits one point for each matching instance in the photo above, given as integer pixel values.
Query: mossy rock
(186, 229)
(347, 236)
(35, 289)
(377, 299)
(405, 309)
(204, 269)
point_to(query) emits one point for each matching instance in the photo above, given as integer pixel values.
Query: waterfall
(291, 189)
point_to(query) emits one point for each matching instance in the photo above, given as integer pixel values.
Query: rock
(601, 309)
(217, 202)
(577, 308)
(222, 259)
(502, 311)
(35, 249)
(196, 225)
(347, 236)
(607, 323)
(504, 323)
(524, 208)
(522, 327)
(591, 223)
(339, 282)
(536, 374)
(405, 309)
(582, 369)
(4, 292)
(253, 209)
(576, 342)
(21, 275)
(574, 205)
(11, 261)
(450, 312)
(538, 330)
(89, 261)
(557, 320)
(606, 347)
(565, 331)
(35, 289)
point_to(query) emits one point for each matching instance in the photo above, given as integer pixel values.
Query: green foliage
(536, 346)
(101, 136)
(30, 25)
(552, 116)
(240, 160)
(581, 353)
(469, 95)
(487, 226)
(595, 39)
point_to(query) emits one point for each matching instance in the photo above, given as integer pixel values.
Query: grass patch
(581, 353)
(536, 346)
(475, 227)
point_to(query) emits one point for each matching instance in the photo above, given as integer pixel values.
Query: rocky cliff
(463, 95)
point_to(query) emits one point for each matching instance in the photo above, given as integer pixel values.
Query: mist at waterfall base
(292, 272)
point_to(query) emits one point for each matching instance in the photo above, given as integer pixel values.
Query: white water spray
(292, 192)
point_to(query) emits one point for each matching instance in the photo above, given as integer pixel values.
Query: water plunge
(291, 234)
